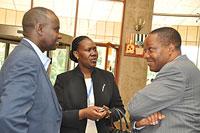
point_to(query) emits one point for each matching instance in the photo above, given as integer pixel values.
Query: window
(101, 20)
(60, 60)
(64, 9)
(12, 11)
(2, 53)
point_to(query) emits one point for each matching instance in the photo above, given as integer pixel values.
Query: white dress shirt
(91, 125)
(44, 59)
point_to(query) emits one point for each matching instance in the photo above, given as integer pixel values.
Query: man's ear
(39, 28)
(171, 48)
(76, 54)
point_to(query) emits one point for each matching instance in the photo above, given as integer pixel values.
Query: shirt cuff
(137, 128)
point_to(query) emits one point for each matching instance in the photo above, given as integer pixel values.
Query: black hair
(74, 47)
(168, 35)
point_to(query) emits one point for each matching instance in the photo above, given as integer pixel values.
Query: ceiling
(111, 10)
(88, 9)
(176, 9)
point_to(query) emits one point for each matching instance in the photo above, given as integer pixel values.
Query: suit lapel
(97, 84)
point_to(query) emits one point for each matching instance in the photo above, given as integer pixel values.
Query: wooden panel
(10, 17)
(3, 16)
(192, 33)
(19, 18)
(183, 32)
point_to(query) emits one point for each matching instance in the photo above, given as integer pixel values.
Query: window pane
(99, 19)
(198, 60)
(17, 5)
(83, 26)
(59, 63)
(176, 6)
(64, 9)
(101, 28)
(111, 60)
(109, 29)
(101, 61)
(10, 17)
(190, 51)
(183, 32)
(160, 21)
(2, 53)
(12, 11)
(3, 16)
(19, 17)
(12, 46)
(192, 33)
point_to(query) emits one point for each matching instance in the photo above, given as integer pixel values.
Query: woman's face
(87, 53)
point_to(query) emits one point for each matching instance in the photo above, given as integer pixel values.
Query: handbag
(121, 116)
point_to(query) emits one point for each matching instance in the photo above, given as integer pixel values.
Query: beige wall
(133, 70)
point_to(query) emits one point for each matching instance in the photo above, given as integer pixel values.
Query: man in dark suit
(175, 92)
(28, 103)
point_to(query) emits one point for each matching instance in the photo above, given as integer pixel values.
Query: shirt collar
(178, 57)
(44, 59)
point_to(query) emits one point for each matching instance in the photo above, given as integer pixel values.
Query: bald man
(28, 103)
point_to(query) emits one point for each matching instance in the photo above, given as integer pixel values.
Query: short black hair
(74, 47)
(168, 35)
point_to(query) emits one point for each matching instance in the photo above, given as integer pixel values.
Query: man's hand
(152, 119)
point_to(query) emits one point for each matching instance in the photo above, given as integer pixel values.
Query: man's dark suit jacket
(72, 94)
